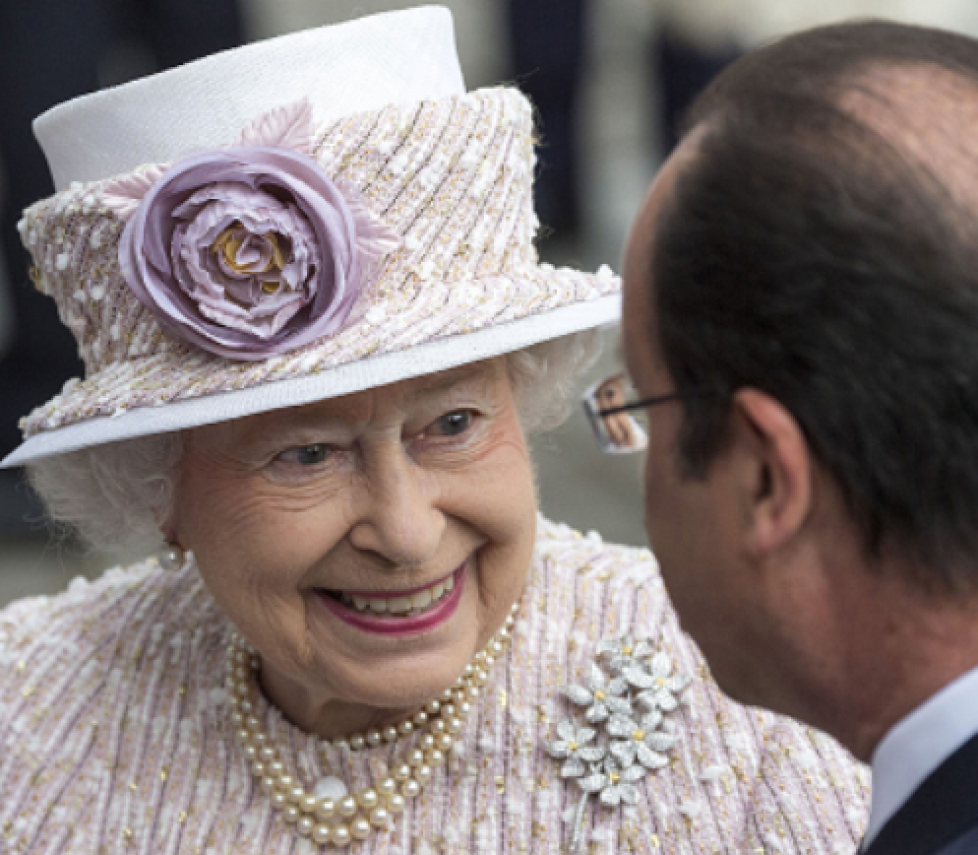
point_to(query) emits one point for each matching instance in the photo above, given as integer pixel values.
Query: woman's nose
(398, 515)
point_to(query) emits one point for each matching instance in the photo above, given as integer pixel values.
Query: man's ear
(774, 471)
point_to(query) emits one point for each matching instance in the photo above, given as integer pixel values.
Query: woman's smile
(369, 545)
(398, 612)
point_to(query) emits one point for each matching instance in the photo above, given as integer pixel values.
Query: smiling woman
(315, 347)
(379, 496)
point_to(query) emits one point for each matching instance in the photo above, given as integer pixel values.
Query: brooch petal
(602, 756)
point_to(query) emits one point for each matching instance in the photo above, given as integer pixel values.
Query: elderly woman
(302, 278)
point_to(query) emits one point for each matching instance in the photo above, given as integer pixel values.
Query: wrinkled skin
(385, 490)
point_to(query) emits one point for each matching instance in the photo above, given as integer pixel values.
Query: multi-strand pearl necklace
(355, 816)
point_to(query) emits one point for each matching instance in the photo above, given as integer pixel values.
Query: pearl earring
(171, 556)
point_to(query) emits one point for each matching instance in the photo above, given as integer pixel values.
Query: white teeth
(399, 605)
(421, 600)
(402, 605)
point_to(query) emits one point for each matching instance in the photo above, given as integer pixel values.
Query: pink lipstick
(381, 624)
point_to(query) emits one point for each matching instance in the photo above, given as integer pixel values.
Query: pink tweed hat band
(300, 258)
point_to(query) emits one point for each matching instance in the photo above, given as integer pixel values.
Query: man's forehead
(925, 111)
(638, 323)
(640, 248)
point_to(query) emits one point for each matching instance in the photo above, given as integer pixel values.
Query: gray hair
(116, 495)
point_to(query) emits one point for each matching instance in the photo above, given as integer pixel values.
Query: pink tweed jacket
(117, 737)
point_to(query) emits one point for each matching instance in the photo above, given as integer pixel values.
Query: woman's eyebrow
(462, 377)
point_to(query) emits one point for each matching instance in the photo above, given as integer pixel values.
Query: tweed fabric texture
(452, 177)
(117, 734)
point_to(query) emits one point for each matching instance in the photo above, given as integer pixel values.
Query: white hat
(290, 221)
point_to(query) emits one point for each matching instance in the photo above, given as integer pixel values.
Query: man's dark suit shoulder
(941, 817)
(964, 845)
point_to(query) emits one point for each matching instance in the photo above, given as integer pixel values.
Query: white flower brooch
(623, 739)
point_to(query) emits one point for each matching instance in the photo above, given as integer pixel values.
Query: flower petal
(566, 730)
(634, 773)
(661, 665)
(629, 795)
(621, 726)
(619, 706)
(660, 741)
(637, 676)
(617, 686)
(625, 751)
(579, 695)
(597, 713)
(596, 678)
(666, 701)
(647, 699)
(643, 649)
(651, 720)
(610, 796)
(593, 754)
(651, 759)
(585, 735)
(573, 768)
(557, 750)
(677, 682)
(592, 783)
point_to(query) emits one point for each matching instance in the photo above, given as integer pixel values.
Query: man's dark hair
(804, 254)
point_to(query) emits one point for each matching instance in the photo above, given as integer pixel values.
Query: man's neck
(917, 745)
(904, 652)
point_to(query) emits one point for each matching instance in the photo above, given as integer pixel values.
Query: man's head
(807, 263)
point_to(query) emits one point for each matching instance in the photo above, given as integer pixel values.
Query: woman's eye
(452, 424)
(307, 455)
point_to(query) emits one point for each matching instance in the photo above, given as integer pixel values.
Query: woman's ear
(775, 471)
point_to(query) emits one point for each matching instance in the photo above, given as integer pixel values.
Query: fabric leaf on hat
(122, 195)
(290, 126)
(375, 239)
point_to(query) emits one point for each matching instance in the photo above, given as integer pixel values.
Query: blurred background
(609, 79)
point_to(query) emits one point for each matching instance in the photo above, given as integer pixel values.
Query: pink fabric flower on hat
(251, 250)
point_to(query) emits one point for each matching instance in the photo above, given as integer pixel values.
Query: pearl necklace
(340, 821)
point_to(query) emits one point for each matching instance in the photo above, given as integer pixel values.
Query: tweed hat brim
(193, 411)
(449, 177)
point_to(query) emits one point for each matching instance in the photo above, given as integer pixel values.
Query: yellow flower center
(615, 777)
(660, 682)
(572, 746)
(638, 735)
(229, 242)
(626, 651)
(599, 695)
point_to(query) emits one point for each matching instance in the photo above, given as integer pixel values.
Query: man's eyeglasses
(620, 422)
